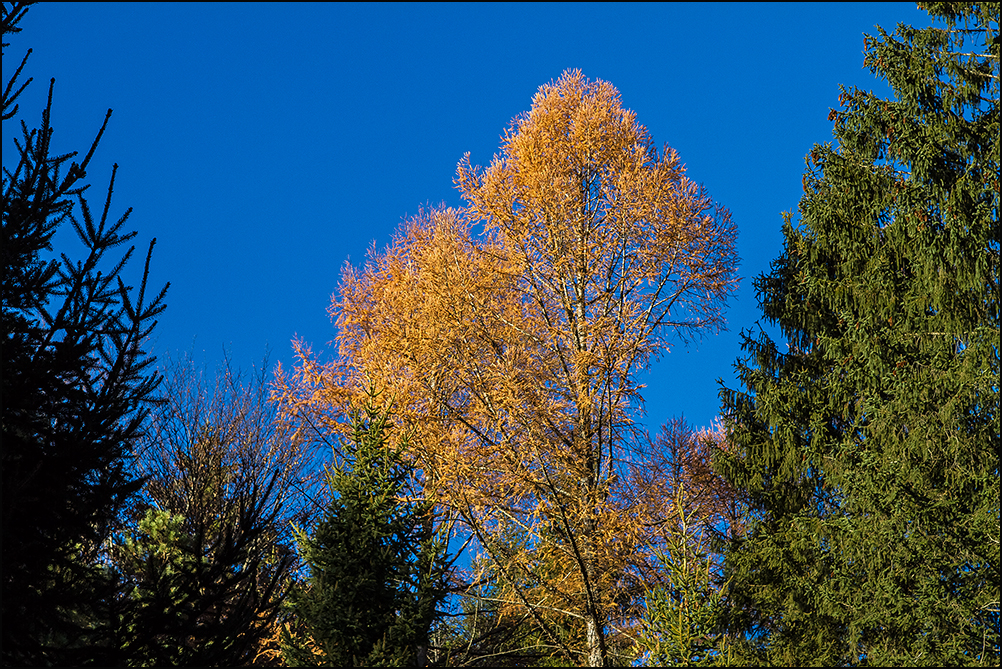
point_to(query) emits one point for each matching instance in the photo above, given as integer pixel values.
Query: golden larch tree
(512, 355)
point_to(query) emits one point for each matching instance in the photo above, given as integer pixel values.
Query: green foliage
(158, 542)
(199, 591)
(870, 448)
(189, 602)
(224, 473)
(682, 625)
(209, 560)
(75, 386)
(378, 569)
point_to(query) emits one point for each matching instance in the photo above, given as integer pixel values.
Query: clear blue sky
(265, 144)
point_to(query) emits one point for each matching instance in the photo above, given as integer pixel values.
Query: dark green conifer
(378, 572)
(74, 388)
(871, 446)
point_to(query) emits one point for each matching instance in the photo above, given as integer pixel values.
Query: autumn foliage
(509, 335)
(495, 499)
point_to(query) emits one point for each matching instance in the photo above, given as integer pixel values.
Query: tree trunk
(593, 638)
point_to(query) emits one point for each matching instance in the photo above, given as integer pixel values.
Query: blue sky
(263, 145)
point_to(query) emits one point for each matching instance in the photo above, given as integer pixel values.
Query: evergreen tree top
(870, 448)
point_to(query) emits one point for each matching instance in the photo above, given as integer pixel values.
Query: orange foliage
(511, 356)
(681, 458)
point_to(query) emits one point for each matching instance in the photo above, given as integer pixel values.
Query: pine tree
(871, 447)
(378, 572)
(75, 385)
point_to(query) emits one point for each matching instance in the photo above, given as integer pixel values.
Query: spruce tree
(870, 447)
(378, 572)
(74, 389)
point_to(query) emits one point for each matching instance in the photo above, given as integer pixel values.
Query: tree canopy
(208, 556)
(844, 510)
(514, 353)
(76, 387)
(870, 447)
